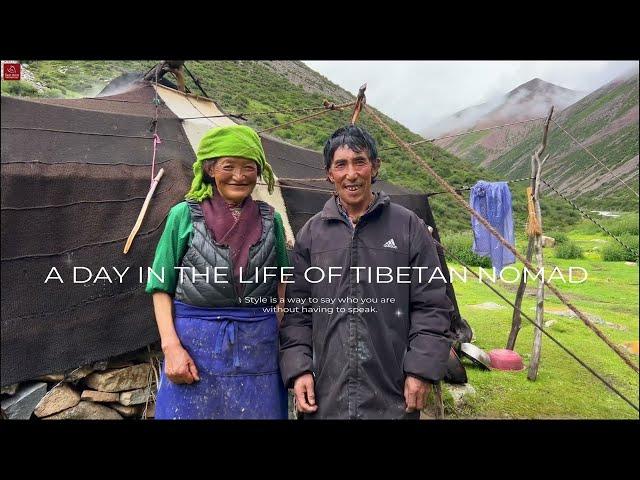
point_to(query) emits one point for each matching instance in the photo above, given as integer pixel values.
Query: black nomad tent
(75, 174)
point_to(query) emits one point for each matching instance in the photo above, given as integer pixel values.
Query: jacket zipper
(354, 349)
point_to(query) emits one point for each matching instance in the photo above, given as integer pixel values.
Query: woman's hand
(179, 366)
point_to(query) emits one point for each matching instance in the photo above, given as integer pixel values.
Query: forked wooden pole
(360, 101)
(537, 247)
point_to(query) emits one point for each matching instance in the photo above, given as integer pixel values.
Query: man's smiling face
(352, 173)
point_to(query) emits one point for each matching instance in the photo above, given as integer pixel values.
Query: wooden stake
(437, 390)
(143, 211)
(516, 321)
(537, 247)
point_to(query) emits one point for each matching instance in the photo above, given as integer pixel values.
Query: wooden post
(516, 321)
(437, 390)
(360, 101)
(537, 247)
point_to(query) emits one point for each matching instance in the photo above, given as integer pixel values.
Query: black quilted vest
(205, 252)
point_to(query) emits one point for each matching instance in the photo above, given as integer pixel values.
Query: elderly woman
(221, 348)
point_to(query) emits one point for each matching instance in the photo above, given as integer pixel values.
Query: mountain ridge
(605, 120)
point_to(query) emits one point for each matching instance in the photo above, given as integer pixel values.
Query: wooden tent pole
(537, 247)
(143, 211)
(439, 402)
(516, 320)
(360, 101)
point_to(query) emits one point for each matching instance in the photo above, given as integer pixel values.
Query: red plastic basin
(502, 359)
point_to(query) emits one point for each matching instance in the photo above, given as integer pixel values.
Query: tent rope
(586, 215)
(595, 158)
(301, 163)
(291, 179)
(468, 187)
(502, 240)
(255, 114)
(465, 133)
(101, 164)
(156, 138)
(329, 107)
(222, 115)
(196, 81)
(106, 242)
(557, 342)
(200, 112)
(81, 202)
(293, 187)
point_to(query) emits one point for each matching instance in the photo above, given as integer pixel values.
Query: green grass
(626, 224)
(466, 141)
(19, 89)
(559, 237)
(568, 250)
(609, 104)
(615, 252)
(563, 388)
(460, 245)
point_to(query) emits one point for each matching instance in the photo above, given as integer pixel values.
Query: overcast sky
(419, 93)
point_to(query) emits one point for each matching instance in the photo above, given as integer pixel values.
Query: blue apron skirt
(236, 353)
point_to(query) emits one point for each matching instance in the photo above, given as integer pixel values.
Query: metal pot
(476, 355)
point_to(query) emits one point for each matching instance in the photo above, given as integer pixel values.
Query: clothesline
(466, 187)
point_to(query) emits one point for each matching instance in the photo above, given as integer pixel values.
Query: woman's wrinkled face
(235, 177)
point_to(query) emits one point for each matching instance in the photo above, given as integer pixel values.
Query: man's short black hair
(354, 137)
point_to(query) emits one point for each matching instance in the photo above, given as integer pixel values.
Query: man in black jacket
(366, 328)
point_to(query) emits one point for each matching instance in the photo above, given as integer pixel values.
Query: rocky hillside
(529, 100)
(605, 121)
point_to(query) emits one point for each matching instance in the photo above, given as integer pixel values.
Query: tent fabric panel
(35, 132)
(140, 104)
(39, 231)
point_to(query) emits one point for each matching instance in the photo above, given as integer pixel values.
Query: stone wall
(122, 387)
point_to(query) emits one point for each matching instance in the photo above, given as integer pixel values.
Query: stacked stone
(123, 387)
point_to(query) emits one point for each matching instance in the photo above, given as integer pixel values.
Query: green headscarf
(232, 141)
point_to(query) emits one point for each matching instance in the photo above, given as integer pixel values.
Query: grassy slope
(563, 389)
(252, 87)
(607, 104)
(612, 149)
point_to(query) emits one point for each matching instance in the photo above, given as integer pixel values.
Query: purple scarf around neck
(238, 235)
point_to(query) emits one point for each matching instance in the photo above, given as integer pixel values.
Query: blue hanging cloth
(493, 201)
